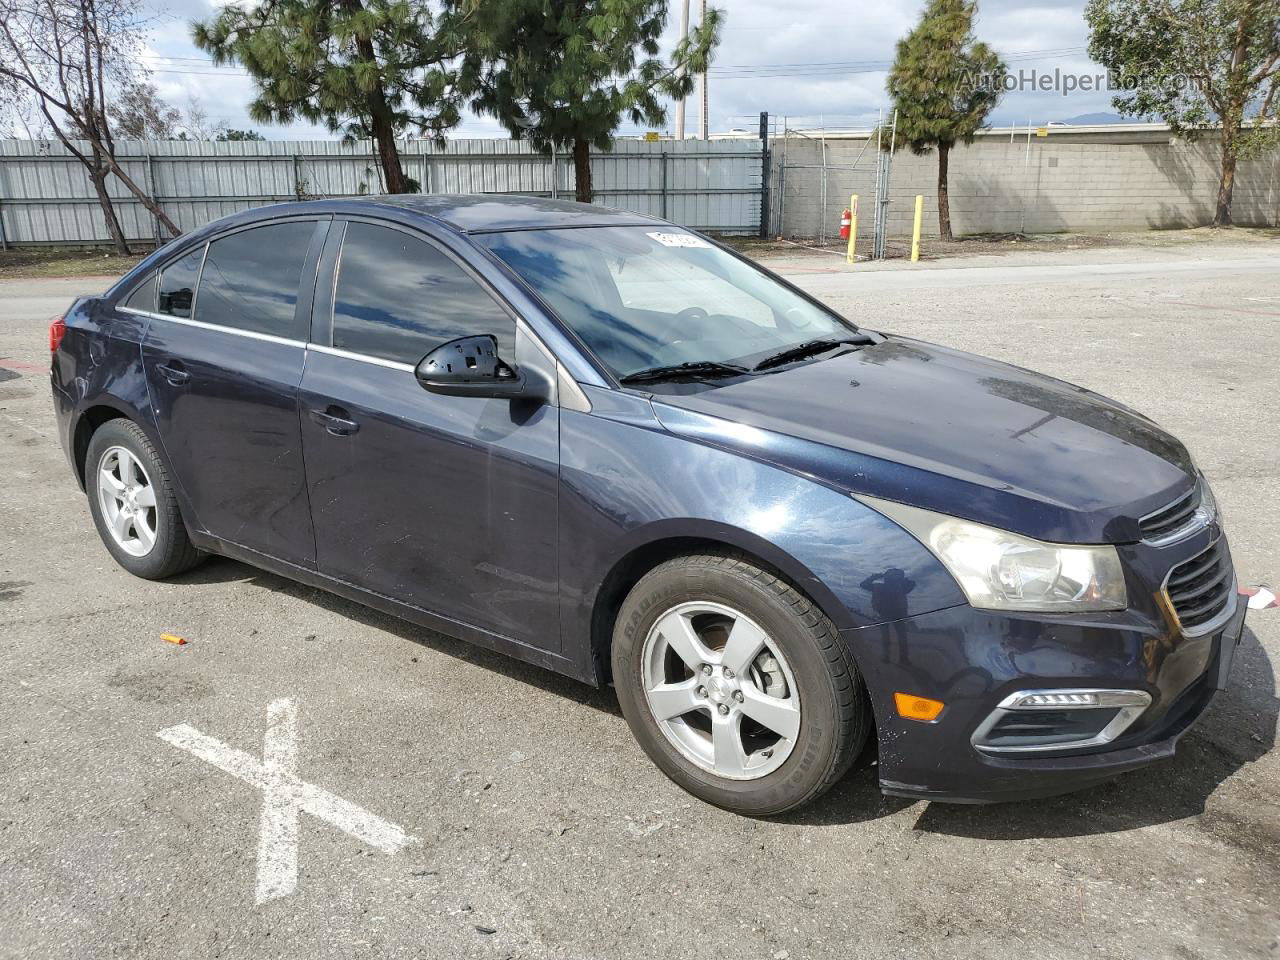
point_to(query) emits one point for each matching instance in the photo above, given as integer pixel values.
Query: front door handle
(174, 374)
(336, 420)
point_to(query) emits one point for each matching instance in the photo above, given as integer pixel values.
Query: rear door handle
(174, 374)
(336, 420)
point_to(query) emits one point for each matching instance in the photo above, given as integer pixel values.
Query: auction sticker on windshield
(679, 240)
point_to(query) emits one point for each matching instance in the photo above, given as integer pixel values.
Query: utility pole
(702, 81)
(684, 33)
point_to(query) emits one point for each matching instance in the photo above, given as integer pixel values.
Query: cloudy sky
(813, 61)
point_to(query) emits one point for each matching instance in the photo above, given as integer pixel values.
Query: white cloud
(831, 53)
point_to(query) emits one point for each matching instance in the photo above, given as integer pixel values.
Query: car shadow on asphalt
(225, 570)
(1238, 728)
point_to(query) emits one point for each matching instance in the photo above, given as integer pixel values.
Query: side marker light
(917, 708)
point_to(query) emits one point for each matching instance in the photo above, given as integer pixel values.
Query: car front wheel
(736, 685)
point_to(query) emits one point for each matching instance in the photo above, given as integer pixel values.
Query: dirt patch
(27, 262)
(12, 589)
(996, 244)
(1000, 244)
(158, 687)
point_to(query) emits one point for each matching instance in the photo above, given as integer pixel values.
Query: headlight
(999, 570)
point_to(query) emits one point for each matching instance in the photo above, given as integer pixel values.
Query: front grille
(1168, 520)
(1200, 588)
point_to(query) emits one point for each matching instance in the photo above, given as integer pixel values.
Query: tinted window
(143, 296)
(178, 284)
(398, 298)
(250, 279)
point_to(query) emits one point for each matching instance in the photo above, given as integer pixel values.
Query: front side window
(398, 298)
(178, 284)
(250, 279)
(643, 297)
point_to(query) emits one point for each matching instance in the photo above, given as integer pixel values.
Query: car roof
(464, 213)
(459, 213)
(485, 212)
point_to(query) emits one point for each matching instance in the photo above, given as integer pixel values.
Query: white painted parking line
(284, 796)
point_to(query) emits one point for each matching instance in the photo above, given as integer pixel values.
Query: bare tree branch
(67, 55)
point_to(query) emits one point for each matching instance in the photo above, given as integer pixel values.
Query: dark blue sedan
(609, 446)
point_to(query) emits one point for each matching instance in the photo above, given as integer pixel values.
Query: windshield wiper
(694, 368)
(808, 349)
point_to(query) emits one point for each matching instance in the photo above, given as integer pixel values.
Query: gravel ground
(540, 829)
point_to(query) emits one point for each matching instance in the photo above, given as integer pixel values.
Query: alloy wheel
(128, 501)
(720, 690)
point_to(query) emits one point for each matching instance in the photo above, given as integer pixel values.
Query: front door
(223, 356)
(446, 503)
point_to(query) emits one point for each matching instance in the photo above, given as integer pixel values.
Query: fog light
(1037, 720)
(1058, 700)
(917, 708)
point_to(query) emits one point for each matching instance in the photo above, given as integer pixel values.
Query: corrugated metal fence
(46, 196)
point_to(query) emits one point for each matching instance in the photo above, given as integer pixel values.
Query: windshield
(645, 297)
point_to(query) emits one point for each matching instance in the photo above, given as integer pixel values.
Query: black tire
(835, 712)
(172, 552)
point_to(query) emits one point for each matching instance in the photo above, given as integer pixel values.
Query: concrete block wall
(1082, 180)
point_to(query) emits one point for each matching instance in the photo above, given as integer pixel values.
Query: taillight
(57, 330)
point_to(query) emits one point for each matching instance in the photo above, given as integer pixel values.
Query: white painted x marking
(284, 795)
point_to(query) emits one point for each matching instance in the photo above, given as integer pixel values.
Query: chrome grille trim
(1201, 592)
(1175, 521)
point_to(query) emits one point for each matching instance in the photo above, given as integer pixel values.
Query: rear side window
(143, 296)
(398, 298)
(178, 284)
(250, 279)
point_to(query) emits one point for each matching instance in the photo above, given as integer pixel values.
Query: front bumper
(973, 660)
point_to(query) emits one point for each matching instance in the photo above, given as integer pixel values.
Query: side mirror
(469, 367)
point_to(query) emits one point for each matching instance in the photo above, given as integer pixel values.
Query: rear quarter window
(143, 296)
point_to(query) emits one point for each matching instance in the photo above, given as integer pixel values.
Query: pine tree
(939, 84)
(364, 67)
(232, 134)
(566, 72)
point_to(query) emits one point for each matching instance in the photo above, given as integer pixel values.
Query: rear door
(447, 503)
(223, 356)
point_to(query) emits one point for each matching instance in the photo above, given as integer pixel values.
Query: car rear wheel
(133, 505)
(736, 685)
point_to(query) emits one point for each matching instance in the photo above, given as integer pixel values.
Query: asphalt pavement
(450, 803)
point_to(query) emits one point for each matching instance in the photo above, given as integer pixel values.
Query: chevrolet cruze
(608, 446)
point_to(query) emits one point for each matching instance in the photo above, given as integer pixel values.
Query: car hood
(953, 432)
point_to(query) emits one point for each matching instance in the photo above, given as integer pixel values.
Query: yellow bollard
(853, 229)
(915, 230)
